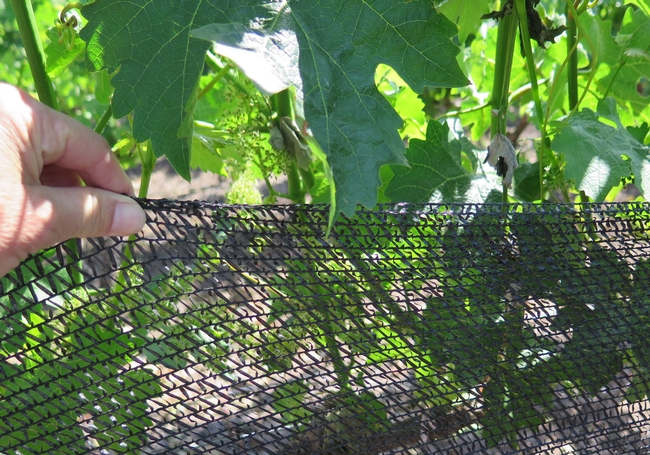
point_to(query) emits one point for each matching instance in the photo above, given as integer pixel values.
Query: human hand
(44, 157)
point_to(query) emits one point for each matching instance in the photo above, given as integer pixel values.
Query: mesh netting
(455, 329)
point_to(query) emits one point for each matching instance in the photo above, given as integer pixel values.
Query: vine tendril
(67, 24)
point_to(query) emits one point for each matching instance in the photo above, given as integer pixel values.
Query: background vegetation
(589, 125)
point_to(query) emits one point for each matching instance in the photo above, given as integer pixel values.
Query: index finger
(67, 143)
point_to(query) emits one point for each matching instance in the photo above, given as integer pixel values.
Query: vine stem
(272, 192)
(148, 160)
(34, 50)
(283, 105)
(594, 58)
(214, 80)
(502, 69)
(515, 95)
(570, 62)
(464, 111)
(106, 116)
(572, 55)
(572, 71)
(575, 33)
(520, 7)
(296, 191)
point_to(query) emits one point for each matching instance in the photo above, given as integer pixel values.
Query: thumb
(37, 217)
(63, 213)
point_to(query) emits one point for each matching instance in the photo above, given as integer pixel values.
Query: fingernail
(128, 219)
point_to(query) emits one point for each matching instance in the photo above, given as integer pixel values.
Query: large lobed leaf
(269, 56)
(339, 45)
(633, 40)
(158, 65)
(437, 172)
(598, 156)
(626, 53)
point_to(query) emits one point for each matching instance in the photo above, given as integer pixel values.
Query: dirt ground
(167, 184)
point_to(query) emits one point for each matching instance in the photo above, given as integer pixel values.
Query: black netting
(455, 329)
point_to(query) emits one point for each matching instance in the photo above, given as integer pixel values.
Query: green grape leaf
(339, 45)
(639, 132)
(642, 4)
(632, 64)
(258, 52)
(598, 155)
(103, 89)
(437, 172)
(206, 154)
(600, 37)
(466, 14)
(158, 64)
(58, 56)
(527, 182)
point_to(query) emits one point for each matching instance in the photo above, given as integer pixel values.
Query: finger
(66, 142)
(54, 215)
(53, 175)
(73, 146)
(89, 212)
